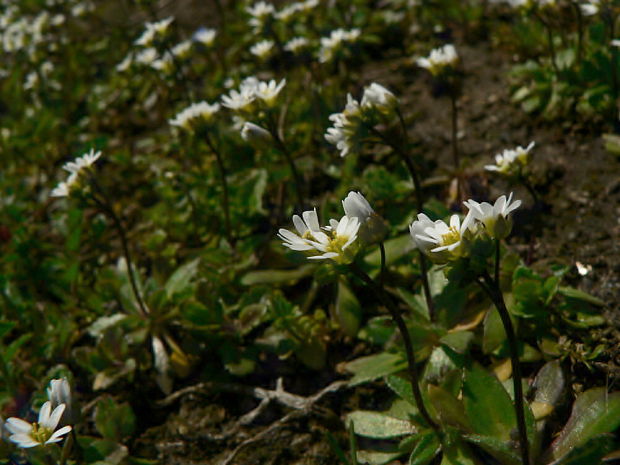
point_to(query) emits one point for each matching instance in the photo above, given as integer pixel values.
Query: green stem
(223, 180)
(404, 332)
(455, 143)
(107, 208)
(491, 287)
(382, 272)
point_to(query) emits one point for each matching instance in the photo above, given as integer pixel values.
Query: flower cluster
(154, 32)
(332, 46)
(250, 90)
(79, 165)
(351, 125)
(196, 116)
(440, 60)
(511, 162)
(444, 243)
(261, 13)
(43, 432)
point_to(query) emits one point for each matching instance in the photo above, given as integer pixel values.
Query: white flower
(331, 45)
(83, 162)
(239, 100)
(74, 168)
(262, 49)
(346, 134)
(615, 43)
(494, 217)
(288, 12)
(439, 59)
(125, 64)
(296, 45)
(440, 242)
(378, 97)
(510, 161)
(58, 393)
(153, 31)
(182, 49)
(260, 13)
(194, 115)
(41, 433)
(335, 244)
(147, 56)
(205, 36)
(591, 7)
(268, 91)
(255, 135)
(355, 205)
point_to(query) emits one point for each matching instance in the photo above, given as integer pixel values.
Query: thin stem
(107, 208)
(579, 16)
(382, 272)
(223, 180)
(491, 287)
(455, 144)
(549, 31)
(281, 146)
(497, 260)
(402, 327)
(530, 188)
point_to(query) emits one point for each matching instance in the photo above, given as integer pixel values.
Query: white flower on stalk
(355, 205)
(195, 115)
(510, 161)
(441, 242)
(495, 217)
(239, 100)
(182, 49)
(260, 13)
(153, 31)
(255, 135)
(331, 45)
(378, 97)
(262, 49)
(58, 393)
(42, 432)
(319, 245)
(74, 168)
(440, 59)
(348, 125)
(205, 36)
(147, 56)
(296, 45)
(268, 91)
(590, 8)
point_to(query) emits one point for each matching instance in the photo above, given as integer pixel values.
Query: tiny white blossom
(205, 36)
(355, 205)
(195, 115)
(182, 49)
(255, 135)
(345, 134)
(296, 45)
(125, 64)
(439, 59)
(153, 31)
(41, 433)
(378, 97)
(334, 245)
(268, 91)
(510, 161)
(262, 49)
(440, 242)
(146, 56)
(260, 13)
(239, 100)
(494, 217)
(74, 168)
(591, 7)
(331, 45)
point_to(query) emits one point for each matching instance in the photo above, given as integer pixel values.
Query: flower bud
(258, 137)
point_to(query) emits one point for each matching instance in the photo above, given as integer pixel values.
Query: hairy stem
(224, 182)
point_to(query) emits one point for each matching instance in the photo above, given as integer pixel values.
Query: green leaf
(374, 366)
(401, 387)
(458, 341)
(488, 405)
(549, 383)
(594, 412)
(372, 457)
(458, 453)
(573, 293)
(426, 449)
(497, 448)
(378, 425)
(347, 310)
(114, 421)
(494, 333)
(591, 452)
(449, 409)
(394, 249)
(277, 276)
(6, 327)
(180, 280)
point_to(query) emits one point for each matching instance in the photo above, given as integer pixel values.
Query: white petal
(24, 440)
(57, 435)
(17, 426)
(54, 418)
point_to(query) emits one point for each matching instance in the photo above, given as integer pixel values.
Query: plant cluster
(150, 172)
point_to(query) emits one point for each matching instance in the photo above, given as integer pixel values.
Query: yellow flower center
(453, 235)
(40, 433)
